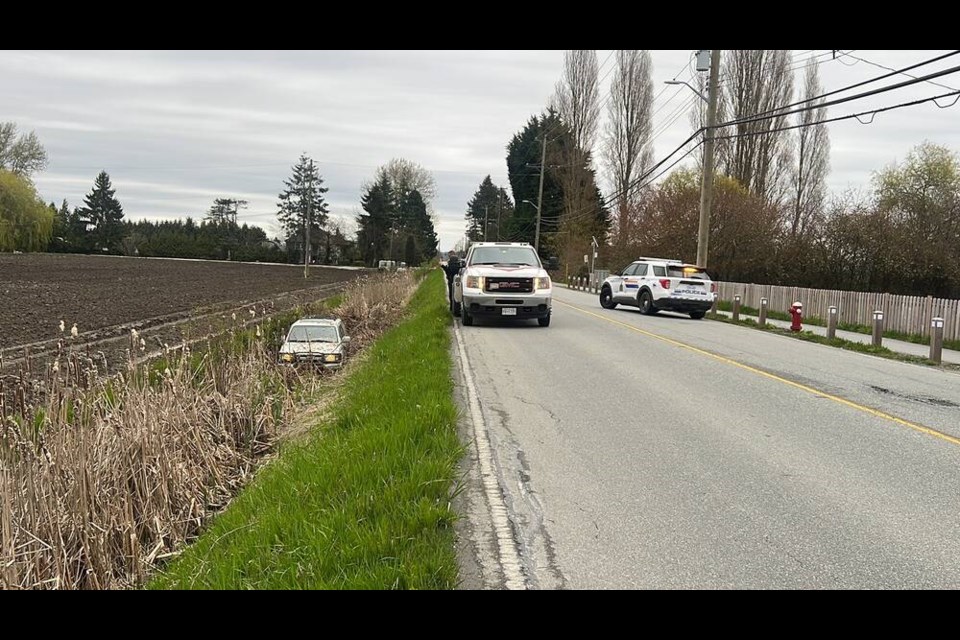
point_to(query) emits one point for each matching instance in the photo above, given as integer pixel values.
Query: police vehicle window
(642, 269)
(688, 272)
(659, 271)
(629, 271)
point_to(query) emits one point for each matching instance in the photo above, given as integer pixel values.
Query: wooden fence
(909, 314)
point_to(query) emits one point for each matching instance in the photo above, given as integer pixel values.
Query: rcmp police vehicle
(655, 284)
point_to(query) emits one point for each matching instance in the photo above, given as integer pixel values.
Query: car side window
(642, 269)
(629, 271)
(660, 271)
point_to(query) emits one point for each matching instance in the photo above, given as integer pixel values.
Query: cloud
(176, 129)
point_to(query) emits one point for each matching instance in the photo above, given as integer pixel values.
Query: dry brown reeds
(102, 476)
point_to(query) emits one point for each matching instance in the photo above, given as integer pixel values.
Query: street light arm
(702, 97)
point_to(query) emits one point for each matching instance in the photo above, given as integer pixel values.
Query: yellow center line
(767, 374)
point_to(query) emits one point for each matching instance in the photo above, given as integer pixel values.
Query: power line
(646, 180)
(639, 182)
(880, 66)
(871, 112)
(779, 111)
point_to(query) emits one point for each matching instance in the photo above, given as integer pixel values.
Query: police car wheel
(606, 299)
(646, 303)
(697, 315)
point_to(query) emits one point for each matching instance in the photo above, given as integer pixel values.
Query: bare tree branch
(22, 155)
(757, 81)
(626, 147)
(577, 96)
(808, 179)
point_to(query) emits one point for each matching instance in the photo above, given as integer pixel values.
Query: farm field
(105, 295)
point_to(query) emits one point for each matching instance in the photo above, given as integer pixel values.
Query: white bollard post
(877, 328)
(831, 323)
(936, 340)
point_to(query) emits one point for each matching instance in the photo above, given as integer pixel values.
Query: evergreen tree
(103, 211)
(375, 224)
(479, 209)
(419, 226)
(572, 209)
(59, 242)
(225, 210)
(305, 186)
(410, 252)
(488, 211)
(523, 169)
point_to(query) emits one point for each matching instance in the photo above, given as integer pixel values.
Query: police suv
(654, 284)
(502, 280)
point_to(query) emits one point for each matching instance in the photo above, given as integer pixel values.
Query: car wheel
(544, 322)
(606, 299)
(646, 303)
(465, 316)
(697, 315)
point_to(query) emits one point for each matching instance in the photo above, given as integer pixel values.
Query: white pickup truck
(654, 284)
(502, 280)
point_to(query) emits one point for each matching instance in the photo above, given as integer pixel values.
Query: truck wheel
(697, 315)
(606, 298)
(456, 308)
(465, 316)
(646, 303)
(544, 322)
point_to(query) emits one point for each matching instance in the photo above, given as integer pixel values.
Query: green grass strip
(364, 502)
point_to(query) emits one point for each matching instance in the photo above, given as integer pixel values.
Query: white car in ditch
(320, 342)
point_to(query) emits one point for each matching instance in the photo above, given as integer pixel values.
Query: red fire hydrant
(796, 312)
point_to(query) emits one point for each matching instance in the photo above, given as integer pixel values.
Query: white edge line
(509, 554)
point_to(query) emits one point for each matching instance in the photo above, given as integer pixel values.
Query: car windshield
(313, 334)
(687, 272)
(505, 255)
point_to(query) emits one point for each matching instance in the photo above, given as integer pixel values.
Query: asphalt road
(663, 452)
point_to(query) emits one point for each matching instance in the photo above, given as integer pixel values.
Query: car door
(631, 284)
(619, 287)
(642, 275)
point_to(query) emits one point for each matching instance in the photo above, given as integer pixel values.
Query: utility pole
(543, 164)
(306, 226)
(486, 217)
(706, 186)
(499, 210)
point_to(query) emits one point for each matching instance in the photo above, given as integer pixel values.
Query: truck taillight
(665, 283)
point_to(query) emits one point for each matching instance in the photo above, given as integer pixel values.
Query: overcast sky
(176, 129)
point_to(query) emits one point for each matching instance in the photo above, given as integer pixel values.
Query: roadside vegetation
(103, 477)
(363, 501)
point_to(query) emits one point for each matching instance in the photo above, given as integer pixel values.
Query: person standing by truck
(452, 268)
